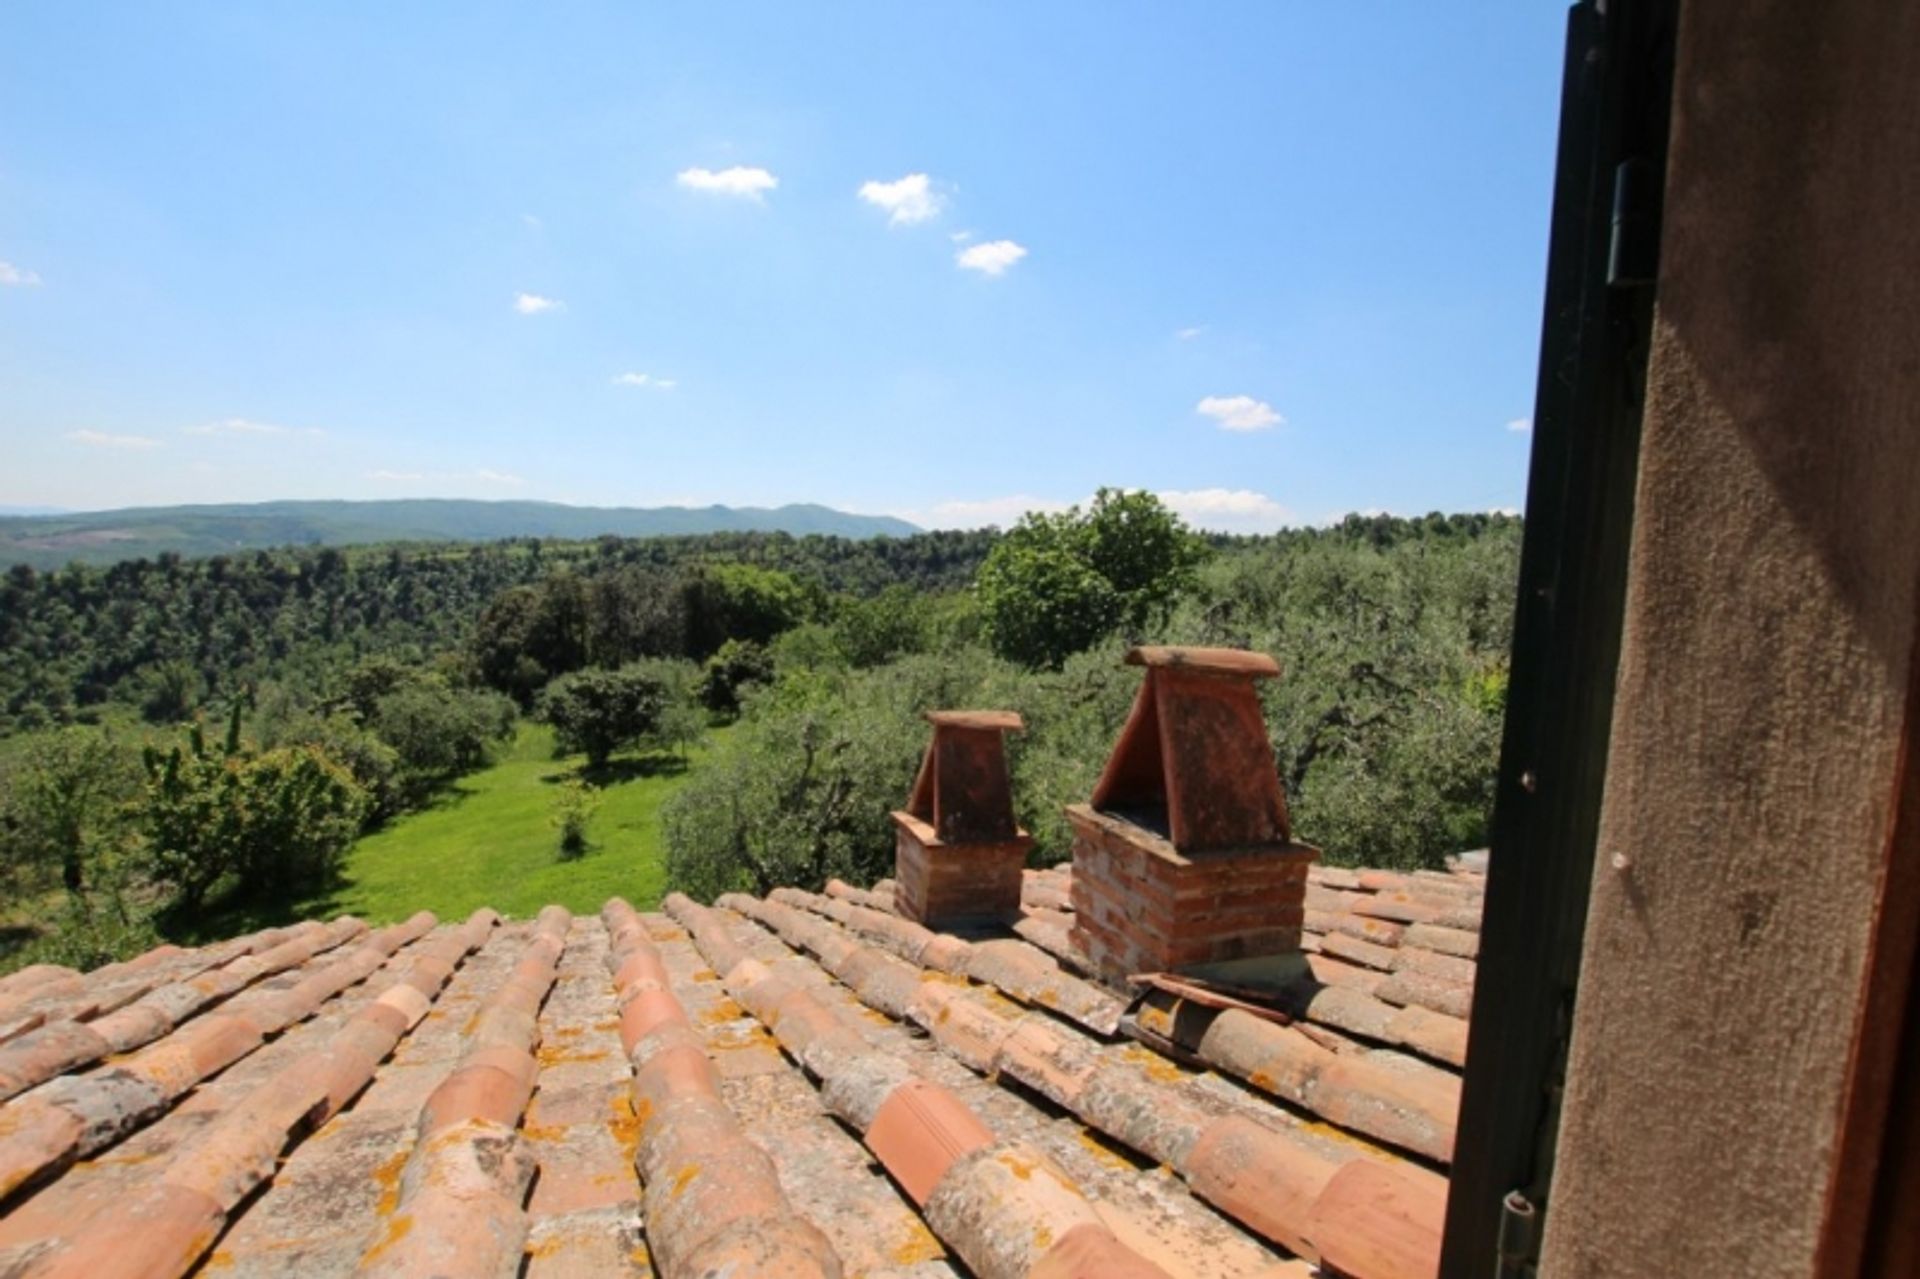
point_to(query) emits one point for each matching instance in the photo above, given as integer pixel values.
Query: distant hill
(104, 537)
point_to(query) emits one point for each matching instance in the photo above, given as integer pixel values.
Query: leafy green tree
(375, 766)
(267, 824)
(400, 728)
(173, 690)
(809, 646)
(1145, 551)
(599, 712)
(1042, 602)
(682, 720)
(371, 679)
(167, 636)
(1392, 636)
(440, 732)
(502, 644)
(63, 806)
(871, 632)
(635, 611)
(801, 790)
(530, 634)
(1056, 584)
(728, 673)
(740, 602)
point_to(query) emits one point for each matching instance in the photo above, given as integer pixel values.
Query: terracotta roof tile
(800, 1084)
(712, 1198)
(189, 1188)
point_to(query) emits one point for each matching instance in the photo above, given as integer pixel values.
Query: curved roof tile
(800, 1084)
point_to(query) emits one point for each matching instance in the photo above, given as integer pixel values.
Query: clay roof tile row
(797, 1084)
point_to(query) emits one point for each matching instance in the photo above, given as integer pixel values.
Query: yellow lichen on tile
(722, 1011)
(1153, 1065)
(397, 1229)
(551, 1055)
(625, 1126)
(1106, 1156)
(919, 1246)
(387, 1177)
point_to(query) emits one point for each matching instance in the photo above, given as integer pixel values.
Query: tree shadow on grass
(14, 936)
(447, 795)
(232, 915)
(617, 771)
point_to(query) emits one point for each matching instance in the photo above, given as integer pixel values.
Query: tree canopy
(599, 712)
(1056, 583)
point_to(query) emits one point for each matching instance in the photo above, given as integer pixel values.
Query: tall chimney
(958, 852)
(1185, 860)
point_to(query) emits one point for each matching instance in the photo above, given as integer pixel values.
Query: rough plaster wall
(1772, 610)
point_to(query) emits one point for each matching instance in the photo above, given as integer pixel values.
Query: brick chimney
(957, 851)
(1185, 859)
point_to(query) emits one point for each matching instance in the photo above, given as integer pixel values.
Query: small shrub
(574, 805)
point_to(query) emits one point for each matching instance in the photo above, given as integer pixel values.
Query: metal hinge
(1520, 1222)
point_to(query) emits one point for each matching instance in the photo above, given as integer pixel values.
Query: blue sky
(1276, 261)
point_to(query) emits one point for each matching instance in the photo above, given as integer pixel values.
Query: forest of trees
(168, 636)
(180, 737)
(1392, 636)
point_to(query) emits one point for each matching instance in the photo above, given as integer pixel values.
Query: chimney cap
(998, 721)
(1215, 661)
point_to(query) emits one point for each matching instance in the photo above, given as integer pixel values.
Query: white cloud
(532, 221)
(960, 237)
(534, 304)
(246, 427)
(1189, 334)
(1520, 425)
(1228, 510)
(907, 200)
(1239, 412)
(646, 380)
(108, 440)
(991, 258)
(18, 277)
(739, 181)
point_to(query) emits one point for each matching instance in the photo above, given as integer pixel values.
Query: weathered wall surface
(1772, 614)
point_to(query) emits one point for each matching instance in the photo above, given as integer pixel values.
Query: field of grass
(489, 841)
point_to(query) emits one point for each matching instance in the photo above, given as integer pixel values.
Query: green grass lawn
(489, 841)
